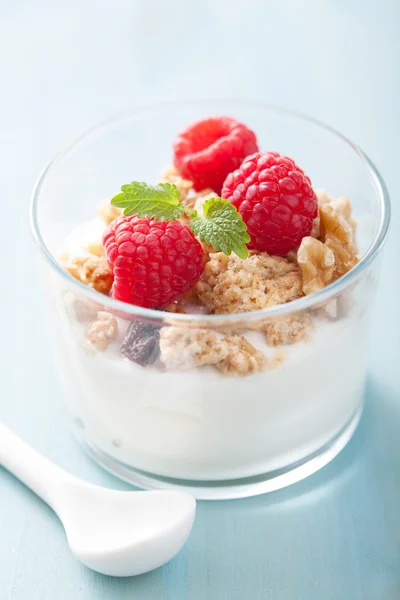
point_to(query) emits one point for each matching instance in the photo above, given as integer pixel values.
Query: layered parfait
(211, 382)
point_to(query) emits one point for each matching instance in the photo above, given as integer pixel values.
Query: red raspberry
(210, 149)
(153, 262)
(275, 199)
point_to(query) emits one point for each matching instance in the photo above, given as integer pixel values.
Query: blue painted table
(65, 66)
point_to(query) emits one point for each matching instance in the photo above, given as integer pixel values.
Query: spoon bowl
(125, 533)
(115, 533)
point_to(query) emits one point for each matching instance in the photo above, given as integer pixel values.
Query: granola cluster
(95, 247)
(231, 285)
(102, 331)
(188, 195)
(90, 269)
(289, 330)
(242, 358)
(83, 310)
(184, 186)
(182, 348)
(107, 212)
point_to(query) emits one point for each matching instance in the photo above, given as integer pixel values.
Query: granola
(95, 247)
(183, 348)
(107, 212)
(242, 357)
(188, 195)
(90, 269)
(175, 308)
(289, 330)
(78, 307)
(317, 263)
(102, 331)
(200, 198)
(207, 251)
(231, 285)
(184, 186)
(84, 310)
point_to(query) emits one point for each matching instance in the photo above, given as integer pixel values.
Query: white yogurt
(203, 425)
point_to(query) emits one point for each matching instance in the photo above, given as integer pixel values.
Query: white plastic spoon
(112, 532)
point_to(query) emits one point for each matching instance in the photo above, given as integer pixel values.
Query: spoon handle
(34, 470)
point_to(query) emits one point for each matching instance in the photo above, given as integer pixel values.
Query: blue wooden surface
(67, 65)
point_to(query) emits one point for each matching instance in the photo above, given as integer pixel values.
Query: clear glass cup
(214, 435)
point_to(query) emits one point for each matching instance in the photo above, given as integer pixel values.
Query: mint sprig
(159, 201)
(221, 227)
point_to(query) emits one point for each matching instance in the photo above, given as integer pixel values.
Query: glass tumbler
(214, 433)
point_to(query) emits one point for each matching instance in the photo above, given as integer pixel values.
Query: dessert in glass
(211, 318)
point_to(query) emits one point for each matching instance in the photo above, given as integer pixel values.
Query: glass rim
(301, 304)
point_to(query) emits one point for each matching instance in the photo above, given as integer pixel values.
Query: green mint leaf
(222, 227)
(160, 201)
